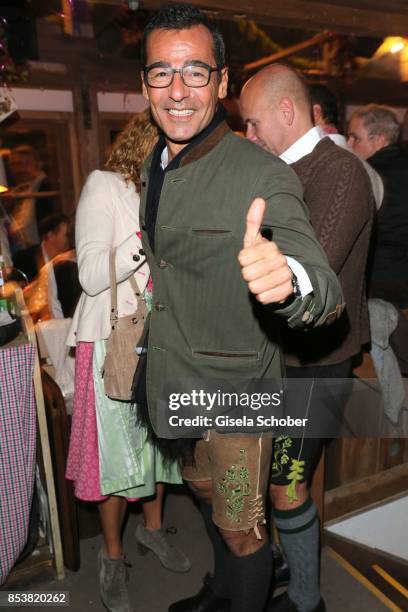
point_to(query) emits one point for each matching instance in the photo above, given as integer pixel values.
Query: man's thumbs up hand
(253, 222)
(264, 267)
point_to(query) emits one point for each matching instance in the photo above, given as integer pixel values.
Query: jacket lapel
(206, 145)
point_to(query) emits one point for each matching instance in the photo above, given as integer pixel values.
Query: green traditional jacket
(204, 322)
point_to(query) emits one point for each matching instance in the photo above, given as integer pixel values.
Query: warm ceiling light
(3, 188)
(397, 47)
(391, 44)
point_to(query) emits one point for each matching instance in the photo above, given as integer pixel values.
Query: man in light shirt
(276, 107)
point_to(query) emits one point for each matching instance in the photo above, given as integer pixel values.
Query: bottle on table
(4, 306)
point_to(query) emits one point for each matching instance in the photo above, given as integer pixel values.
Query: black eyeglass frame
(210, 69)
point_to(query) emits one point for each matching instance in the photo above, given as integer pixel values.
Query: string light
(397, 47)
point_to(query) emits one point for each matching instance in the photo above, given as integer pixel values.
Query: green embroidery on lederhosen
(235, 486)
(295, 474)
(281, 458)
(280, 454)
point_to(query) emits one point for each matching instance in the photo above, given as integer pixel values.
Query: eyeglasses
(194, 74)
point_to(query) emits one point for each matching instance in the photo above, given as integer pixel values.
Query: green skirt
(129, 465)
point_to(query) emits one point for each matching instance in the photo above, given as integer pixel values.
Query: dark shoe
(281, 571)
(283, 603)
(113, 579)
(205, 601)
(171, 557)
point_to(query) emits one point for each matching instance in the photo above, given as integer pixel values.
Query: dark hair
(26, 150)
(320, 94)
(50, 224)
(183, 17)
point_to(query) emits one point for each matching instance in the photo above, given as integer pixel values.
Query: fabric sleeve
(286, 219)
(346, 208)
(94, 228)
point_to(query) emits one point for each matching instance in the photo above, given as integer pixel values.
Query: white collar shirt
(164, 159)
(303, 145)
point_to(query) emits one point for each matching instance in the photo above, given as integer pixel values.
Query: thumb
(254, 221)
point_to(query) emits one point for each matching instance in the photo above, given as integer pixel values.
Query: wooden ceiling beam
(313, 15)
(318, 39)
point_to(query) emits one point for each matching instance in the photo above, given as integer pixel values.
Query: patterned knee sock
(299, 536)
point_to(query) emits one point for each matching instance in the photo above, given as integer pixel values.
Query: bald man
(276, 108)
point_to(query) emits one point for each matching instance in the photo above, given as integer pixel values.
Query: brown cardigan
(338, 194)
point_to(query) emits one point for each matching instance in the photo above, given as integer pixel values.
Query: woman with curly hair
(111, 459)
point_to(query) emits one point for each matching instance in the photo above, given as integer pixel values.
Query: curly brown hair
(131, 147)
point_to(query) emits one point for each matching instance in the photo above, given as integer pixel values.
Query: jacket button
(159, 306)
(141, 252)
(163, 264)
(339, 309)
(307, 317)
(136, 257)
(332, 316)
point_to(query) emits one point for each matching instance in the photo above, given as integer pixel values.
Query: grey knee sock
(299, 536)
(252, 578)
(220, 582)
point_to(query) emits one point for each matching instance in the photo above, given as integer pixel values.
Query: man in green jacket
(219, 285)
